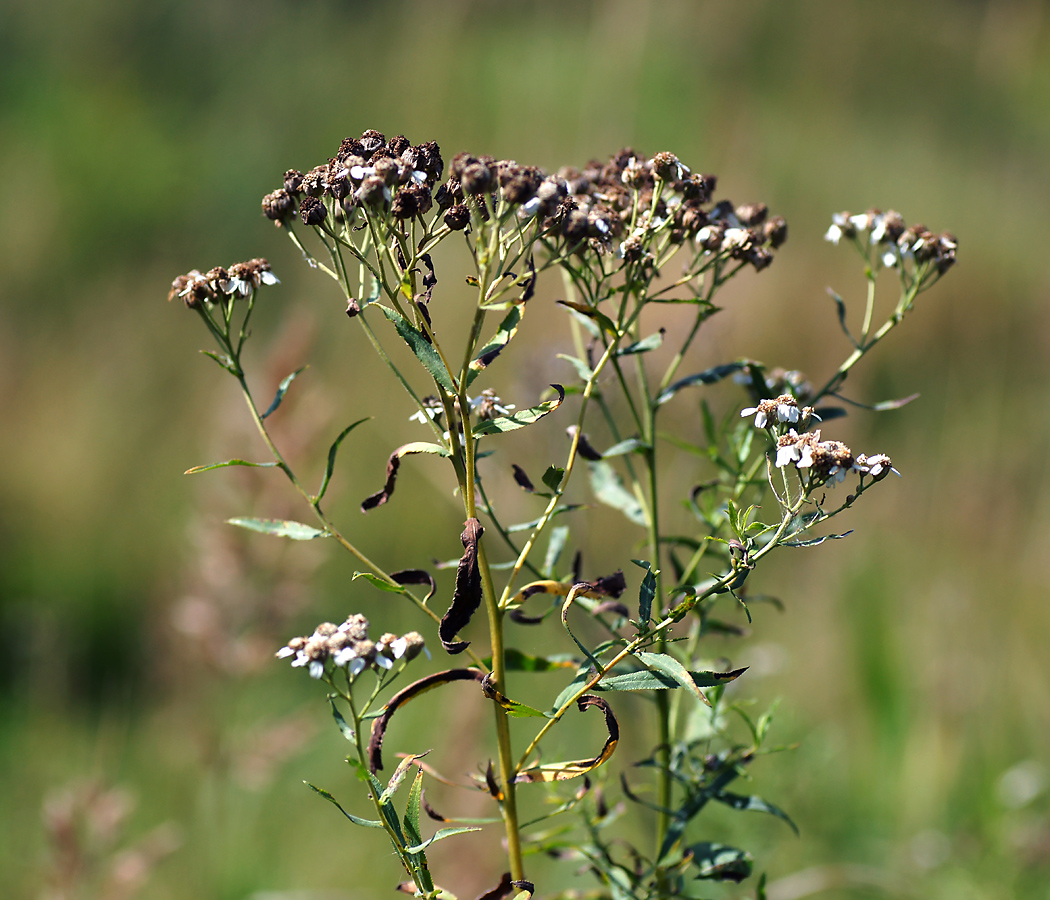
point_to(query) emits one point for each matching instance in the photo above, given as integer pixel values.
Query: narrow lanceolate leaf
(644, 345)
(380, 583)
(367, 823)
(282, 389)
(332, 451)
(757, 804)
(440, 835)
(344, 726)
(631, 445)
(398, 777)
(416, 689)
(411, 821)
(516, 661)
(813, 542)
(297, 531)
(668, 665)
(222, 359)
(592, 318)
(558, 538)
(521, 418)
(507, 329)
(422, 348)
(392, 465)
(467, 596)
(708, 376)
(646, 594)
(513, 707)
(840, 308)
(720, 862)
(879, 407)
(647, 680)
(229, 462)
(583, 371)
(608, 487)
(562, 771)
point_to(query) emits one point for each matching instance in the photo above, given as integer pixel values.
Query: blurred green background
(136, 686)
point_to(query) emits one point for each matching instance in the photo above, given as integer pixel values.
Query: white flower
(316, 668)
(788, 449)
(833, 234)
(359, 173)
(529, 208)
(759, 414)
(889, 259)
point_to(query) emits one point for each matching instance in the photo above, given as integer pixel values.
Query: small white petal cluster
(488, 405)
(828, 461)
(781, 410)
(894, 242)
(347, 646)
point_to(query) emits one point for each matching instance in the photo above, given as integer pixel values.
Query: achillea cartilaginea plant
(369, 219)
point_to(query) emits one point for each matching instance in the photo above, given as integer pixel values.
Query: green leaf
(582, 676)
(412, 810)
(222, 359)
(708, 376)
(516, 661)
(583, 371)
(646, 594)
(229, 462)
(840, 307)
(330, 466)
(608, 487)
(439, 835)
(380, 583)
(813, 542)
(756, 804)
(631, 445)
(297, 531)
(422, 348)
(644, 345)
(521, 418)
(282, 389)
(525, 526)
(559, 535)
(553, 476)
(507, 329)
(721, 862)
(646, 680)
(344, 726)
(397, 778)
(366, 823)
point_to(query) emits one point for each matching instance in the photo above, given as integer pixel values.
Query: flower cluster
(348, 646)
(367, 171)
(895, 241)
(780, 410)
(610, 207)
(630, 197)
(218, 285)
(828, 461)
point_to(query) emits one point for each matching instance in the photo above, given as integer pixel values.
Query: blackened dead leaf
(493, 785)
(608, 585)
(424, 311)
(379, 726)
(392, 465)
(523, 618)
(504, 889)
(529, 283)
(467, 596)
(416, 576)
(612, 606)
(583, 446)
(562, 771)
(522, 479)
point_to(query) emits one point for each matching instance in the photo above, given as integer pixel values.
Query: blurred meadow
(146, 733)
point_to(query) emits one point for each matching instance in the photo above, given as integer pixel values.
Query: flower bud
(312, 211)
(293, 181)
(279, 206)
(458, 217)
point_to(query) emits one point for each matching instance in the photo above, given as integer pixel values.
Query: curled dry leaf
(467, 597)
